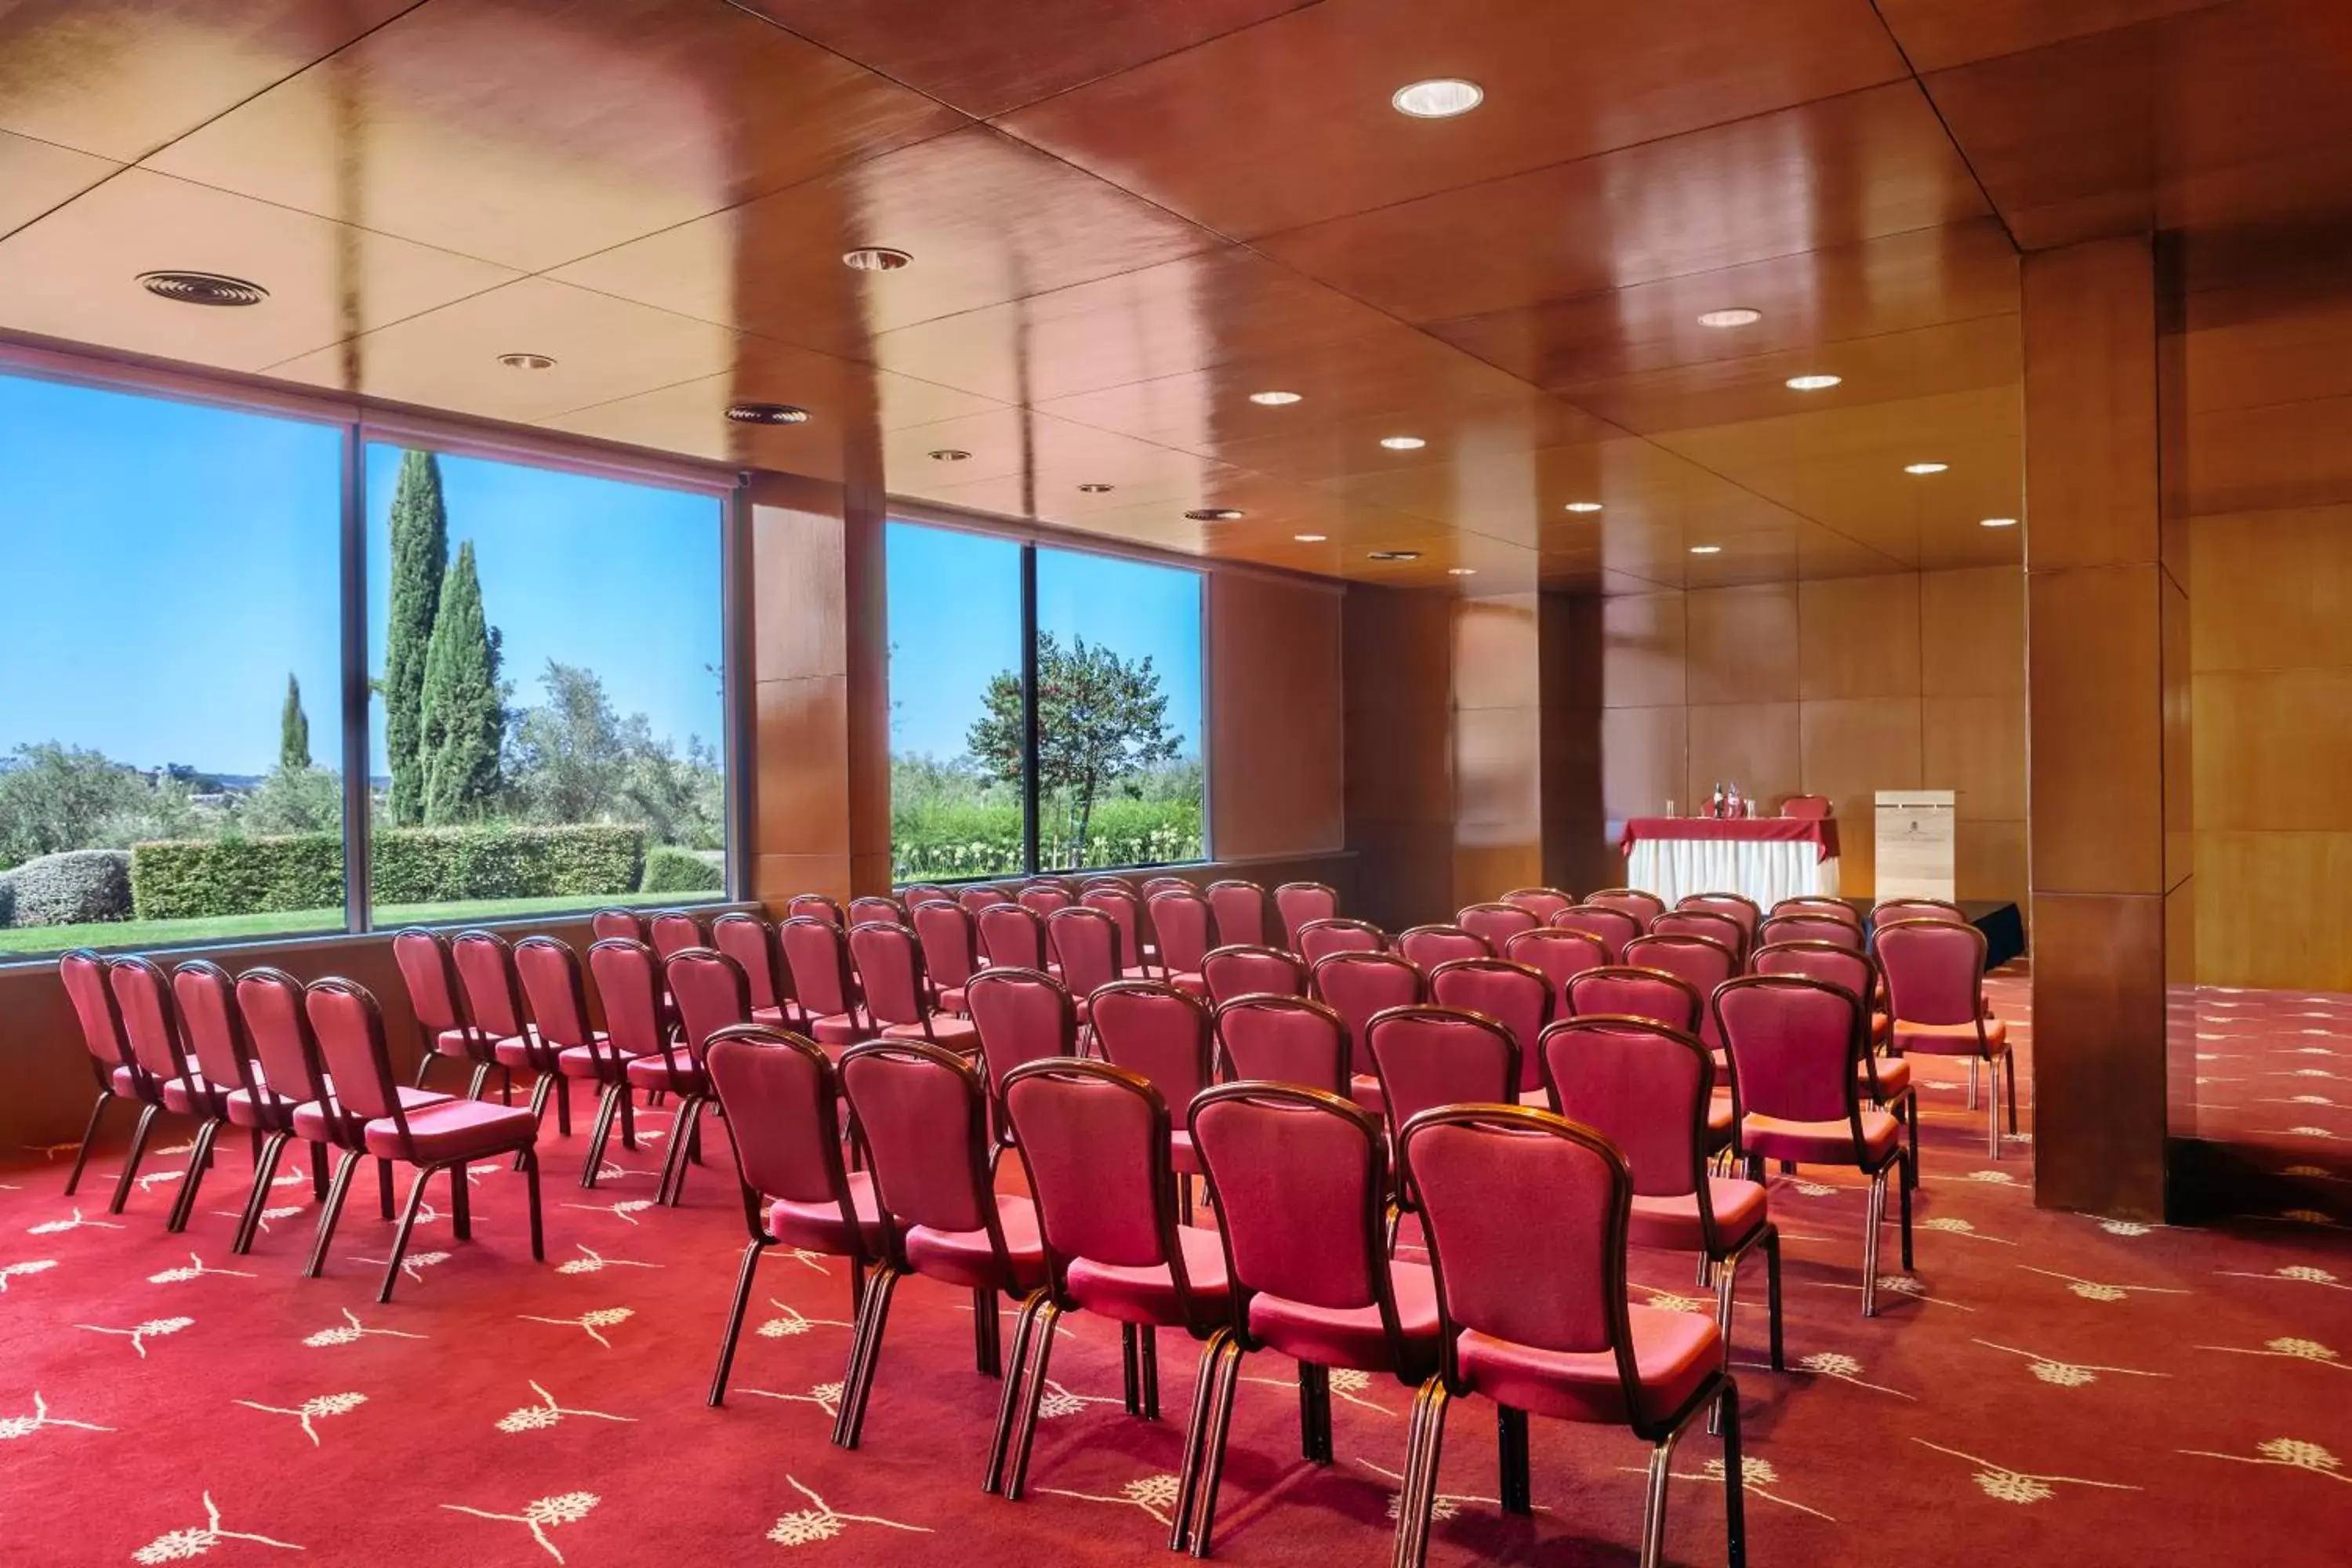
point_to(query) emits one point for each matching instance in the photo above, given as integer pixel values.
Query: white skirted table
(1766, 859)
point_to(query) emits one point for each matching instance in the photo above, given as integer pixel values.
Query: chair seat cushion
(963, 1257)
(454, 1042)
(455, 1130)
(1190, 983)
(1672, 1223)
(1821, 1142)
(1882, 1029)
(1673, 1355)
(1365, 1090)
(1147, 1294)
(835, 1030)
(1950, 1039)
(310, 1121)
(1353, 1336)
(1185, 1159)
(519, 1051)
(200, 1096)
(672, 1069)
(1894, 1075)
(773, 1017)
(258, 1108)
(124, 1081)
(580, 1061)
(819, 1228)
(952, 1000)
(948, 1032)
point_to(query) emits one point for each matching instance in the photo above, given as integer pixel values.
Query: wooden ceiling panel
(121, 78)
(985, 57)
(74, 274)
(1289, 123)
(533, 132)
(1940, 33)
(1830, 173)
(38, 175)
(986, 219)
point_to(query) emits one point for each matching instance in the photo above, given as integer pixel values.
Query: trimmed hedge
(670, 869)
(195, 879)
(75, 887)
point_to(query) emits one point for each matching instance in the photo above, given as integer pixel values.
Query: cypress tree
(420, 558)
(293, 729)
(462, 713)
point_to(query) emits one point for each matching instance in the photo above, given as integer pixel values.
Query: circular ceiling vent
(1393, 555)
(767, 413)
(875, 259)
(1215, 514)
(202, 289)
(527, 361)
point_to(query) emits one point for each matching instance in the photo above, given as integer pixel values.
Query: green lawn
(300, 922)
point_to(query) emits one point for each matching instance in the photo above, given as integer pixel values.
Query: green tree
(295, 800)
(568, 759)
(54, 797)
(420, 559)
(462, 713)
(1100, 719)
(293, 729)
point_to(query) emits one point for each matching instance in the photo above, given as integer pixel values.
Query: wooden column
(2096, 609)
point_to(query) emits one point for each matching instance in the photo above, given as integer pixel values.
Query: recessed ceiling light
(202, 289)
(1440, 98)
(1461, 571)
(875, 259)
(1925, 467)
(2000, 523)
(1310, 537)
(1094, 490)
(1216, 514)
(1706, 549)
(1812, 382)
(766, 414)
(1276, 399)
(1392, 555)
(1402, 443)
(527, 361)
(948, 454)
(1738, 316)
(1583, 506)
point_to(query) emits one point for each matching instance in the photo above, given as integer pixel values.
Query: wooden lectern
(1915, 844)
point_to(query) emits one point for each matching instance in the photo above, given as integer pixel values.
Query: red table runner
(1822, 832)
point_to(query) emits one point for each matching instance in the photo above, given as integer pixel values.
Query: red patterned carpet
(2044, 1389)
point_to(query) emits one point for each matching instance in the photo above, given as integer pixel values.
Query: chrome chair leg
(200, 1160)
(1735, 1495)
(729, 1335)
(265, 1166)
(1873, 1215)
(1008, 1400)
(1041, 1356)
(89, 1133)
(400, 1236)
(147, 1114)
(333, 1210)
(1654, 1506)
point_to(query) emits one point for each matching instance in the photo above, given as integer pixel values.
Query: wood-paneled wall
(1841, 686)
(1276, 747)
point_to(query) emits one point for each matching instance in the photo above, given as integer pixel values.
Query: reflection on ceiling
(618, 218)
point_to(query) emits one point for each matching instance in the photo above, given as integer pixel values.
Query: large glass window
(170, 672)
(546, 651)
(1115, 725)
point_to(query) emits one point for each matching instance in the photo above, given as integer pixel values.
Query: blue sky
(955, 622)
(171, 563)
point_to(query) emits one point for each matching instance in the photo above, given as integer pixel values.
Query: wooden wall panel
(1644, 757)
(1975, 745)
(1757, 745)
(1742, 644)
(1643, 652)
(801, 615)
(1859, 636)
(1276, 762)
(1972, 632)
(1854, 749)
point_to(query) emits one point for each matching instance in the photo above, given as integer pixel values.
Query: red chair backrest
(889, 964)
(1300, 903)
(1285, 1039)
(1831, 962)
(750, 941)
(1301, 1178)
(1242, 971)
(83, 974)
(426, 969)
(1612, 928)
(780, 1101)
(1735, 906)
(618, 923)
(1794, 1044)
(874, 907)
(1318, 939)
(1811, 807)
(277, 1022)
(211, 1024)
(1890, 910)
(1125, 912)
(1085, 942)
(1095, 1142)
(1359, 984)
(816, 955)
(1544, 902)
(1013, 937)
(978, 899)
(675, 931)
(629, 984)
(1429, 1056)
(951, 940)
(816, 906)
(710, 993)
(1513, 996)
(922, 1109)
(549, 972)
(1709, 925)
(1160, 1035)
(1426, 947)
(915, 895)
(1820, 904)
(1704, 961)
(142, 1000)
(486, 974)
(1022, 1016)
(349, 1027)
(1643, 907)
(1641, 1085)
(1152, 885)
(1043, 899)
(1934, 969)
(1498, 922)
(1622, 990)
(1185, 926)
(1796, 927)
(1558, 954)
(1240, 910)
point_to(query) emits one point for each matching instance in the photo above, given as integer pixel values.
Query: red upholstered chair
(709, 994)
(1167, 1037)
(1643, 907)
(1612, 928)
(1426, 947)
(876, 907)
(1285, 1039)
(1935, 989)
(1107, 880)
(289, 1074)
(1358, 986)
(817, 957)
(1318, 939)
(915, 895)
(1119, 901)
(1084, 945)
(1811, 807)
(430, 974)
(816, 906)
(120, 1077)
(750, 941)
(150, 1026)
(638, 1027)
(1739, 906)
(1012, 936)
(1712, 925)
(1152, 885)
(1301, 1180)
(675, 931)
(1497, 922)
(494, 1005)
(1705, 963)
(1429, 1056)
(552, 985)
(1299, 903)
(1558, 954)
(1820, 904)
(1885, 1080)
(1886, 911)
(1797, 1048)
(1240, 910)
(630, 923)
(1544, 902)
(1648, 1089)
(923, 1113)
(1801, 926)
(1186, 929)
(898, 1007)
(1022, 1016)
(1526, 1216)
(1042, 896)
(1513, 995)
(212, 1034)
(778, 1095)
(1239, 970)
(978, 899)
(1625, 991)
(951, 940)
(445, 1135)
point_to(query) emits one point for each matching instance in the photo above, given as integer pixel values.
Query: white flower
(176, 1546)
(804, 1529)
(2125, 1227)
(2293, 1451)
(2303, 1350)
(530, 1419)
(2063, 1375)
(564, 1508)
(2091, 1290)
(1152, 1491)
(2307, 1274)
(2010, 1487)
(1830, 1363)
